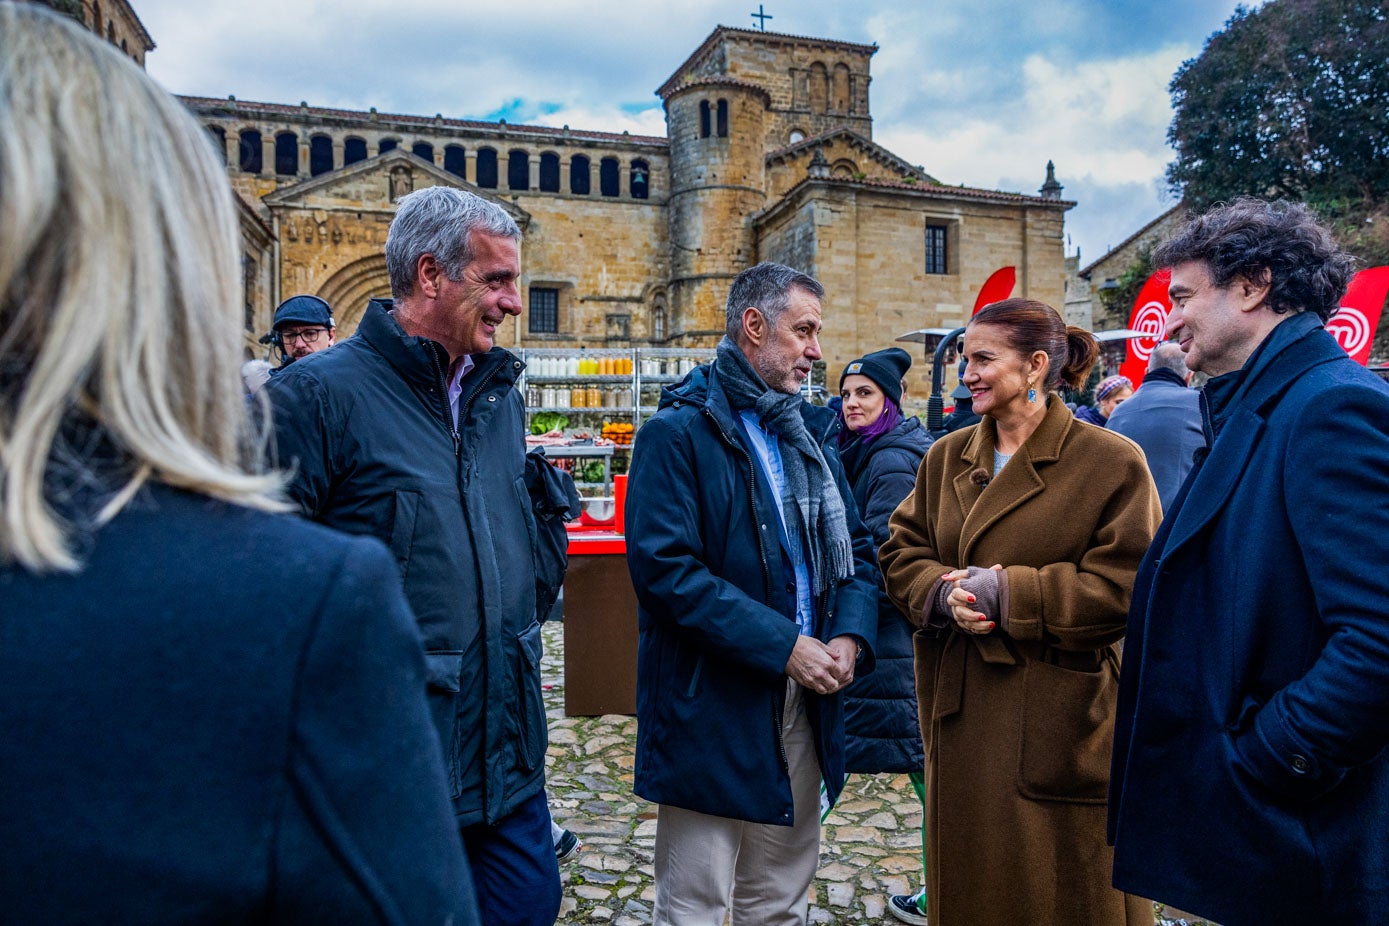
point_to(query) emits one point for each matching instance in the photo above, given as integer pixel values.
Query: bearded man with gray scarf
(756, 583)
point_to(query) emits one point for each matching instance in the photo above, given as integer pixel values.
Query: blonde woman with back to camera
(212, 712)
(1015, 556)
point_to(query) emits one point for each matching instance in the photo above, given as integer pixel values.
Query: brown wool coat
(1018, 724)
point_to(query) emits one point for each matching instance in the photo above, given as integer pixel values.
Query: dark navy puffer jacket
(882, 732)
(716, 596)
(367, 426)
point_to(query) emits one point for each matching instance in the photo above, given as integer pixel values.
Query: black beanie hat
(885, 367)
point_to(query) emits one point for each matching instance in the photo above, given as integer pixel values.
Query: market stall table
(600, 626)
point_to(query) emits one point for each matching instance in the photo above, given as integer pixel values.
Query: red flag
(1353, 326)
(996, 288)
(1150, 311)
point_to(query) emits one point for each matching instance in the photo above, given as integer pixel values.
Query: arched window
(658, 318)
(354, 149)
(640, 183)
(320, 155)
(579, 175)
(249, 154)
(839, 89)
(456, 161)
(423, 149)
(487, 168)
(796, 137)
(518, 169)
(387, 144)
(608, 177)
(549, 172)
(703, 118)
(819, 88)
(286, 154)
(723, 119)
(219, 141)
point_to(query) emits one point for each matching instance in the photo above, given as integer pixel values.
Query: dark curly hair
(1279, 243)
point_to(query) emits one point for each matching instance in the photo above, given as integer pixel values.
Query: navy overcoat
(716, 605)
(1250, 776)
(220, 719)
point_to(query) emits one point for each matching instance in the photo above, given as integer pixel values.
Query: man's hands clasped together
(823, 667)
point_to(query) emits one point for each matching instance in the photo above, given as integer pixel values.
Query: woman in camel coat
(1017, 665)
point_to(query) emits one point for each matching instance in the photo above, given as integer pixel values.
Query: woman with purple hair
(881, 450)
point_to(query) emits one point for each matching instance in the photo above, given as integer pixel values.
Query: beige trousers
(708, 867)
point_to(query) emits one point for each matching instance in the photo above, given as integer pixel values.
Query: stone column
(338, 147)
(470, 168)
(304, 143)
(534, 171)
(231, 141)
(267, 153)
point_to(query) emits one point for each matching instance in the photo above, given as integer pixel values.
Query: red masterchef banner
(996, 288)
(1353, 326)
(1149, 316)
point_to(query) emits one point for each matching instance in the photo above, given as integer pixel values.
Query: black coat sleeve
(367, 832)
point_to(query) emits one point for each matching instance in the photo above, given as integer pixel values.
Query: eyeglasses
(309, 335)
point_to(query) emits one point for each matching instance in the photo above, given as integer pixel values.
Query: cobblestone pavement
(870, 846)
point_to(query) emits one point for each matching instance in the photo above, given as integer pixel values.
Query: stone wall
(867, 247)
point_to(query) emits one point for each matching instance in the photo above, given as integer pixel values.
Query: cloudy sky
(980, 92)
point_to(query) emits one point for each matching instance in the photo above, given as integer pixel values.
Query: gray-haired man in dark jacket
(757, 592)
(411, 431)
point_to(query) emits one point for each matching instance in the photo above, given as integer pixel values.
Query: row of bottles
(579, 397)
(556, 367)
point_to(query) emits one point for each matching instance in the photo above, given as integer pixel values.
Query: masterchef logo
(1151, 319)
(1351, 329)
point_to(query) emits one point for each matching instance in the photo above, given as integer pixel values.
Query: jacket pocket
(443, 672)
(532, 725)
(402, 539)
(1067, 732)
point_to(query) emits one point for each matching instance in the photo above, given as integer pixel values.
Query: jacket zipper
(442, 381)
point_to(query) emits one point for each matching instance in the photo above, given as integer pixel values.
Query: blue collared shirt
(769, 453)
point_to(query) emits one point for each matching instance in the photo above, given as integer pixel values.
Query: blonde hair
(119, 289)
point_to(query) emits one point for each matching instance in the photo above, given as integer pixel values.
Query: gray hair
(1168, 355)
(768, 287)
(96, 283)
(440, 220)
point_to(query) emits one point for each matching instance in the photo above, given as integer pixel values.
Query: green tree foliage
(1289, 100)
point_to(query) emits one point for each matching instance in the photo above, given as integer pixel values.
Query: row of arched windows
(487, 168)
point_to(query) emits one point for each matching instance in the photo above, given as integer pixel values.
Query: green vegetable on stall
(544, 422)
(592, 471)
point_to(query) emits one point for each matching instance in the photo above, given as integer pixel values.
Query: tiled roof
(251, 108)
(715, 81)
(942, 191)
(722, 31)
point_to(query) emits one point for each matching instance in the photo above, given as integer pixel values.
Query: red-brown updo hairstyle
(1030, 326)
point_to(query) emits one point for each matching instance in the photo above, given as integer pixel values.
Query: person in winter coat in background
(881, 451)
(1109, 395)
(1015, 556)
(212, 710)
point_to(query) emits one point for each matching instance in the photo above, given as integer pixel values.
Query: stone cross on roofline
(762, 17)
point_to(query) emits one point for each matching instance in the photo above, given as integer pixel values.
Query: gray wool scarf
(810, 500)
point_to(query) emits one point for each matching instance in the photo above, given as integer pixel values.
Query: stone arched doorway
(348, 290)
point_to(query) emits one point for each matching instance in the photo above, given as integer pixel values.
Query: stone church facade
(632, 240)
